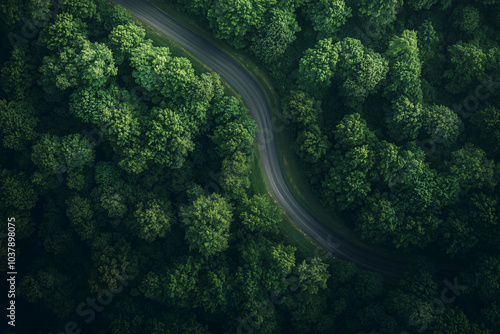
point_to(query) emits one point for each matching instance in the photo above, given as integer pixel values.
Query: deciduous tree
(313, 275)
(317, 66)
(86, 64)
(272, 43)
(167, 138)
(17, 74)
(470, 166)
(405, 67)
(328, 16)
(441, 124)
(405, 119)
(66, 31)
(154, 218)
(259, 214)
(378, 11)
(80, 215)
(207, 221)
(468, 62)
(466, 18)
(17, 125)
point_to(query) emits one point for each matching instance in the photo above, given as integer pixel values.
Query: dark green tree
(259, 214)
(441, 124)
(313, 275)
(53, 288)
(472, 169)
(328, 16)
(311, 144)
(275, 39)
(359, 70)
(405, 67)
(378, 11)
(168, 138)
(17, 125)
(80, 214)
(422, 4)
(454, 321)
(16, 75)
(58, 155)
(405, 119)
(466, 18)
(486, 122)
(302, 109)
(207, 221)
(317, 66)
(233, 137)
(468, 62)
(233, 21)
(85, 9)
(154, 219)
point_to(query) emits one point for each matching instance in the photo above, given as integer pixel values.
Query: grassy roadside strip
(288, 159)
(293, 233)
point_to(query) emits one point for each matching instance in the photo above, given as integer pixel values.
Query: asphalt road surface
(256, 102)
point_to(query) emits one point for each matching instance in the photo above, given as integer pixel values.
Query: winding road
(256, 101)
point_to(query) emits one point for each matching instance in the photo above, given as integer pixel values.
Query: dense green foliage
(129, 172)
(394, 118)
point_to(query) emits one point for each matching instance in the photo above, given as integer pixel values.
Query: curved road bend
(256, 102)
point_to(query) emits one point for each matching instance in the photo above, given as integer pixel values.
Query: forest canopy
(110, 141)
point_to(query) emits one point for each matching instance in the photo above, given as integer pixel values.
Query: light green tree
(167, 138)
